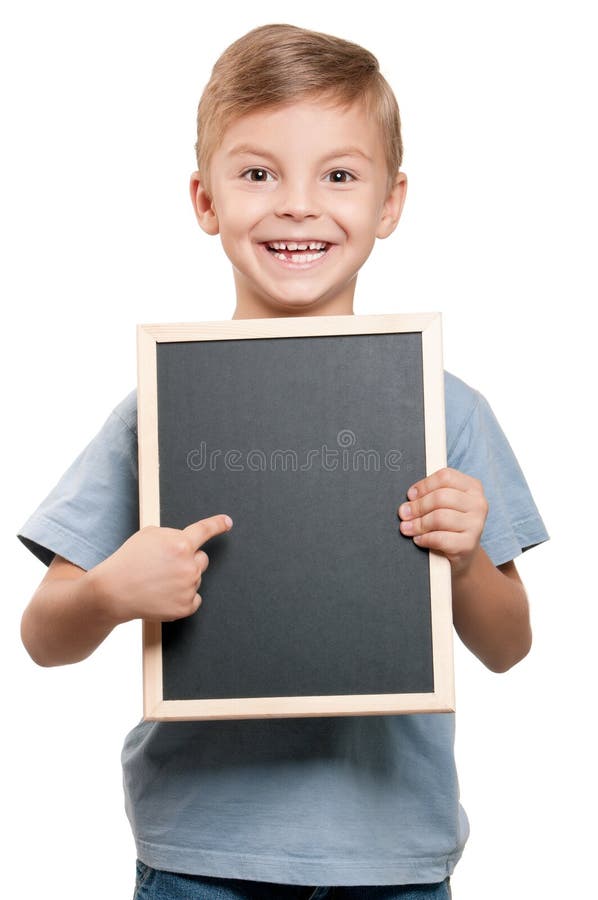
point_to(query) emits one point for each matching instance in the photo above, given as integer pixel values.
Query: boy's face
(305, 173)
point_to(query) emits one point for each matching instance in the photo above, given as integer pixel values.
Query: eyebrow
(252, 150)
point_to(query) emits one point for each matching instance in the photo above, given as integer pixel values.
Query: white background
(498, 107)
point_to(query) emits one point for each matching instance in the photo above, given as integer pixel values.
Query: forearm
(65, 621)
(491, 613)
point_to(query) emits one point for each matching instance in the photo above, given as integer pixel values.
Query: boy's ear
(393, 207)
(203, 205)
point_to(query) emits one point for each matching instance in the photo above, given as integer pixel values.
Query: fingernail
(228, 521)
(412, 493)
(405, 510)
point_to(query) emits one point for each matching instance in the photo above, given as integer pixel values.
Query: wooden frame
(441, 699)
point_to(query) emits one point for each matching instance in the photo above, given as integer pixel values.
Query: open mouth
(298, 251)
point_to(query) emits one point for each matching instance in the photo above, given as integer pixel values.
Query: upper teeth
(291, 245)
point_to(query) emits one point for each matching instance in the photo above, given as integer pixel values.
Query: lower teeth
(300, 257)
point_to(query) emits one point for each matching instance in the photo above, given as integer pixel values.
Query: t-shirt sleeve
(94, 507)
(513, 523)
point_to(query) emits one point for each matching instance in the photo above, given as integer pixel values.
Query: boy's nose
(297, 202)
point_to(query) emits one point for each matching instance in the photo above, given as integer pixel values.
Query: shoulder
(126, 411)
(460, 401)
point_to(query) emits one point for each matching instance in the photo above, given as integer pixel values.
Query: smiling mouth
(297, 251)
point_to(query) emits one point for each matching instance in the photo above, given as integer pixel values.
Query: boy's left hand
(446, 512)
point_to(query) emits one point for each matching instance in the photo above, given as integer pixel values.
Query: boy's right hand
(156, 573)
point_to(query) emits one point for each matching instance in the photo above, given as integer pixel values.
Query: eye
(340, 176)
(256, 174)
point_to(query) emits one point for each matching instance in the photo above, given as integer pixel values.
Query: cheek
(358, 216)
(240, 214)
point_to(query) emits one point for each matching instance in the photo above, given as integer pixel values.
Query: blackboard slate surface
(316, 550)
(314, 602)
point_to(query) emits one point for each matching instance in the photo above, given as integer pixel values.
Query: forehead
(315, 124)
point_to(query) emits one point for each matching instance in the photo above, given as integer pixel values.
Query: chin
(296, 302)
(301, 306)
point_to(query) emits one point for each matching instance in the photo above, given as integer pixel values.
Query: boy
(299, 151)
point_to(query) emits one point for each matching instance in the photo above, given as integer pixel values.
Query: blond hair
(277, 64)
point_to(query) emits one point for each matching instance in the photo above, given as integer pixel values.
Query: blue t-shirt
(335, 800)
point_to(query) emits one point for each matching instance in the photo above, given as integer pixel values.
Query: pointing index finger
(200, 532)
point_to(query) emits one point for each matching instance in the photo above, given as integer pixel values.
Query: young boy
(299, 153)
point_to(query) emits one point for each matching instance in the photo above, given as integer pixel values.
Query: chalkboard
(307, 431)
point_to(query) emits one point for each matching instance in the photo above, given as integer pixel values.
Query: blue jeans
(154, 884)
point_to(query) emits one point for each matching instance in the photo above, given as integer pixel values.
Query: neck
(251, 305)
(247, 311)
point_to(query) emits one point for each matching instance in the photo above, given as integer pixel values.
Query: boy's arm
(154, 575)
(446, 512)
(491, 612)
(65, 620)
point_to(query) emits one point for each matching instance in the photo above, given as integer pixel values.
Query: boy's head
(298, 152)
(277, 64)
